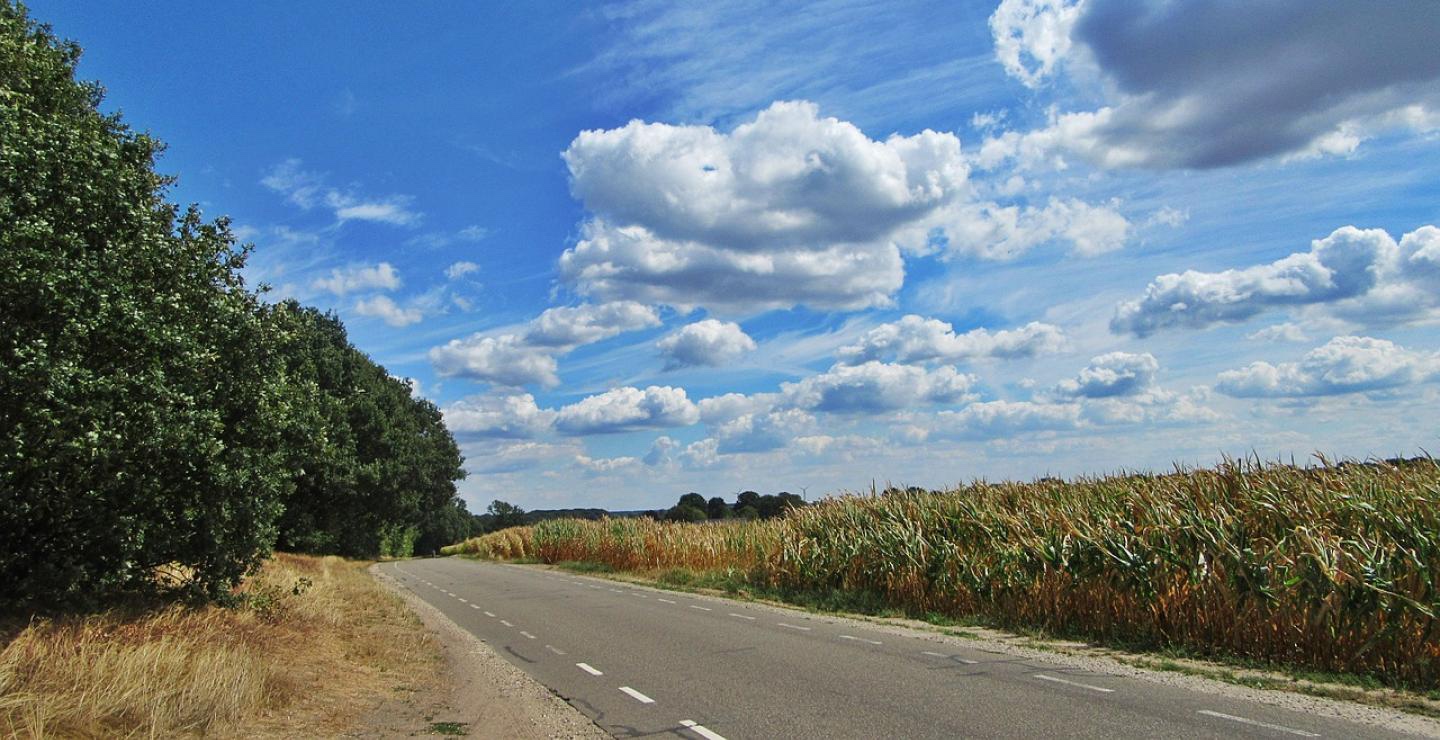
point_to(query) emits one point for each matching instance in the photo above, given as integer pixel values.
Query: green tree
(504, 514)
(685, 513)
(716, 508)
(142, 400)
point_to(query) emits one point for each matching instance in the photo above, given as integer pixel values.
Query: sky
(637, 249)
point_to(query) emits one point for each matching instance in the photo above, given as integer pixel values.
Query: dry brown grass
(318, 643)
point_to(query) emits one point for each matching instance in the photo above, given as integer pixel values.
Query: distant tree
(746, 498)
(694, 500)
(504, 514)
(685, 513)
(716, 508)
(748, 512)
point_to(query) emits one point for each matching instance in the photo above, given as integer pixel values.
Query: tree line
(162, 426)
(692, 507)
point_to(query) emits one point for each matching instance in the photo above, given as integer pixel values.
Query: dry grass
(1334, 568)
(318, 643)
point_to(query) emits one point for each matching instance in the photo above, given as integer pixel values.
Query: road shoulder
(481, 694)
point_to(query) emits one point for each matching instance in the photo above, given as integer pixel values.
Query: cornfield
(1331, 568)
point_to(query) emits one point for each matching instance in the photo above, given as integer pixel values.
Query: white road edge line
(936, 655)
(860, 639)
(637, 696)
(527, 634)
(588, 669)
(1044, 677)
(742, 616)
(554, 649)
(701, 608)
(700, 730)
(1257, 723)
(794, 626)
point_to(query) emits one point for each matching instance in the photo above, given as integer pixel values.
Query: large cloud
(1111, 375)
(787, 209)
(514, 416)
(763, 432)
(876, 387)
(1364, 275)
(628, 409)
(915, 339)
(356, 278)
(1201, 84)
(529, 357)
(1003, 419)
(1342, 365)
(709, 343)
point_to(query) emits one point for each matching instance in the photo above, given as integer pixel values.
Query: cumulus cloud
(876, 387)
(505, 360)
(461, 269)
(1032, 36)
(357, 278)
(1110, 375)
(517, 359)
(570, 327)
(763, 432)
(789, 208)
(915, 339)
(1346, 364)
(1000, 419)
(512, 416)
(628, 409)
(720, 409)
(308, 190)
(1362, 275)
(387, 310)
(1282, 332)
(709, 343)
(1198, 85)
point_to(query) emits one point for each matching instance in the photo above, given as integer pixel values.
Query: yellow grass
(318, 643)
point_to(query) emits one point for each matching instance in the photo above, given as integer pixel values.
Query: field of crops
(1331, 568)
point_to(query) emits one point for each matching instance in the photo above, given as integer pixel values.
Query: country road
(640, 661)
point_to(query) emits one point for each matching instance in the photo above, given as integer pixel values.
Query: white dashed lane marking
(700, 730)
(951, 657)
(793, 627)
(742, 616)
(1257, 723)
(860, 639)
(667, 601)
(701, 608)
(589, 669)
(527, 634)
(490, 614)
(474, 606)
(554, 649)
(507, 624)
(1053, 679)
(637, 696)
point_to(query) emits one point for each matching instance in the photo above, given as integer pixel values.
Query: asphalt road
(640, 662)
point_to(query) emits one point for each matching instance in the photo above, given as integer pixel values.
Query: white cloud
(1110, 375)
(516, 359)
(308, 190)
(627, 409)
(709, 343)
(1345, 364)
(382, 307)
(763, 432)
(497, 456)
(787, 209)
(569, 327)
(461, 269)
(1001, 419)
(513, 416)
(720, 409)
(1361, 275)
(1282, 332)
(1194, 85)
(1032, 36)
(505, 360)
(355, 278)
(993, 231)
(915, 339)
(875, 387)
(603, 465)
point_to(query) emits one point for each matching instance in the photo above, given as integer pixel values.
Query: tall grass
(1331, 568)
(308, 648)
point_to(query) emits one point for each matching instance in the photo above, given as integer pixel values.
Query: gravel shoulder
(480, 693)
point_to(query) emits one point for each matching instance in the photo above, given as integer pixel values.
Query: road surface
(641, 661)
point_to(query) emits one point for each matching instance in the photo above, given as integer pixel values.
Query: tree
(693, 500)
(143, 405)
(503, 514)
(716, 508)
(685, 513)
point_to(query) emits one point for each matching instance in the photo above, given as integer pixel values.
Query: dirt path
(480, 694)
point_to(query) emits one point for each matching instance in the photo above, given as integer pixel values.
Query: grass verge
(315, 643)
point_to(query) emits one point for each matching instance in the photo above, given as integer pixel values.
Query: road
(641, 661)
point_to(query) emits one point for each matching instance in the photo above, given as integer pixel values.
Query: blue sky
(642, 248)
